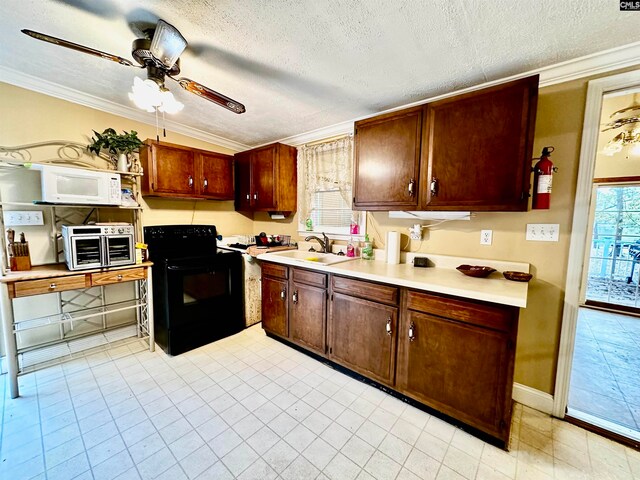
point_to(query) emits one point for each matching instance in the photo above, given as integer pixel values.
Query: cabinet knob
(255, 196)
(412, 332)
(190, 181)
(52, 286)
(205, 184)
(248, 197)
(434, 187)
(294, 297)
(283, 294)
(118, 277)
(388, 326)
(412, 187)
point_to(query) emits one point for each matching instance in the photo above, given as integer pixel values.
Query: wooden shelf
(59, 270)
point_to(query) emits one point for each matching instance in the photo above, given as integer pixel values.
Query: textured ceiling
(300, 65)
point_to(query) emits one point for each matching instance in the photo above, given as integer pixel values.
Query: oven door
(118, 250)
(204, 302)
(85, 252)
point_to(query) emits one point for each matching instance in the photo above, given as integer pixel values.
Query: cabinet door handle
(255, 196)
(294, 297)
(190, 181)
(52, 286)
(205, 184)
(412, 187)
(283, 294)
(412, 332)
(388, 327)
(248, 197)
(434, 187)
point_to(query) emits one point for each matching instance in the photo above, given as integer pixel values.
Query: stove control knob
(121, 230)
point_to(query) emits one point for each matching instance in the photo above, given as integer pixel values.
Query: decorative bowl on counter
(478, 271)
(517, 276)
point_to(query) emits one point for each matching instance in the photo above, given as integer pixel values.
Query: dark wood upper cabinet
(466, 152)
(266, 179)
(477, 149)
(215, 175)
(387, 161)
(183, 172)
(263, 176)
(168, 170)
(243, 181)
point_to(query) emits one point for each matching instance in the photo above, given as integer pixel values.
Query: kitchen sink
(313, 257)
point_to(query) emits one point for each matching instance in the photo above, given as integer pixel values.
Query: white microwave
(79, 186)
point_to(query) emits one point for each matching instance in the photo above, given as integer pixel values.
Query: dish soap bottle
(351, 250)
(367, 249)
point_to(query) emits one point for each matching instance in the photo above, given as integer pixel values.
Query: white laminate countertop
(441, 278)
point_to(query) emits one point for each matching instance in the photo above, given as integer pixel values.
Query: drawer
(310, 278)
(118, 276)
(50, 285)
(496, 317)
(275, 270)
(368, 290)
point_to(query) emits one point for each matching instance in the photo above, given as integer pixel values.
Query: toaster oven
(98, 246)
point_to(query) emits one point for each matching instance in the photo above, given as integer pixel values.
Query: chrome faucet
(324, 243)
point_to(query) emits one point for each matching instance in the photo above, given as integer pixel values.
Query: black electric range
(197, 288)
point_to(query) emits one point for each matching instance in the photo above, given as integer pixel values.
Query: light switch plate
(543, 232)
(27, 217)
(486, 237)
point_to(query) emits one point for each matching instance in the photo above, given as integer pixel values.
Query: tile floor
(249, 407)
(605, 377)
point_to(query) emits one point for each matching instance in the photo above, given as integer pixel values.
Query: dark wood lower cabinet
(362, 336)
(460, 360)
(294, 305)
(307, 316)
(448, 353)
(274, 305)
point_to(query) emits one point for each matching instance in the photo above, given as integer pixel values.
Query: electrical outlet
(27, 217)
(486, 237)
(543, 232)
(415, 232)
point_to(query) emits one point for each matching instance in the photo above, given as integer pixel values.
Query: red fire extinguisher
(542, 179)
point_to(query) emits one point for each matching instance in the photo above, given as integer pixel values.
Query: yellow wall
(28, 117)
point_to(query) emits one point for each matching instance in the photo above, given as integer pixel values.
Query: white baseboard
(533, 398)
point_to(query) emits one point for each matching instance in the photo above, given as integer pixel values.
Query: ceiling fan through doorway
(159, 53)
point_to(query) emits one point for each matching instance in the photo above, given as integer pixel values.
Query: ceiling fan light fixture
(149, 95)
(169, 104)
(167, 44)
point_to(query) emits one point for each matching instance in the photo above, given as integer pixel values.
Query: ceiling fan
(159, 54)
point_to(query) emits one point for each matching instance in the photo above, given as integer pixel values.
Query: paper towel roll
(393, 247)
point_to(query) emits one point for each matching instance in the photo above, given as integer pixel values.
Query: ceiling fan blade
(78, 48)
(208, 94)
(167, 43)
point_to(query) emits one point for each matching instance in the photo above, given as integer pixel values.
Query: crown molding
(23, 80)
(581, 67)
